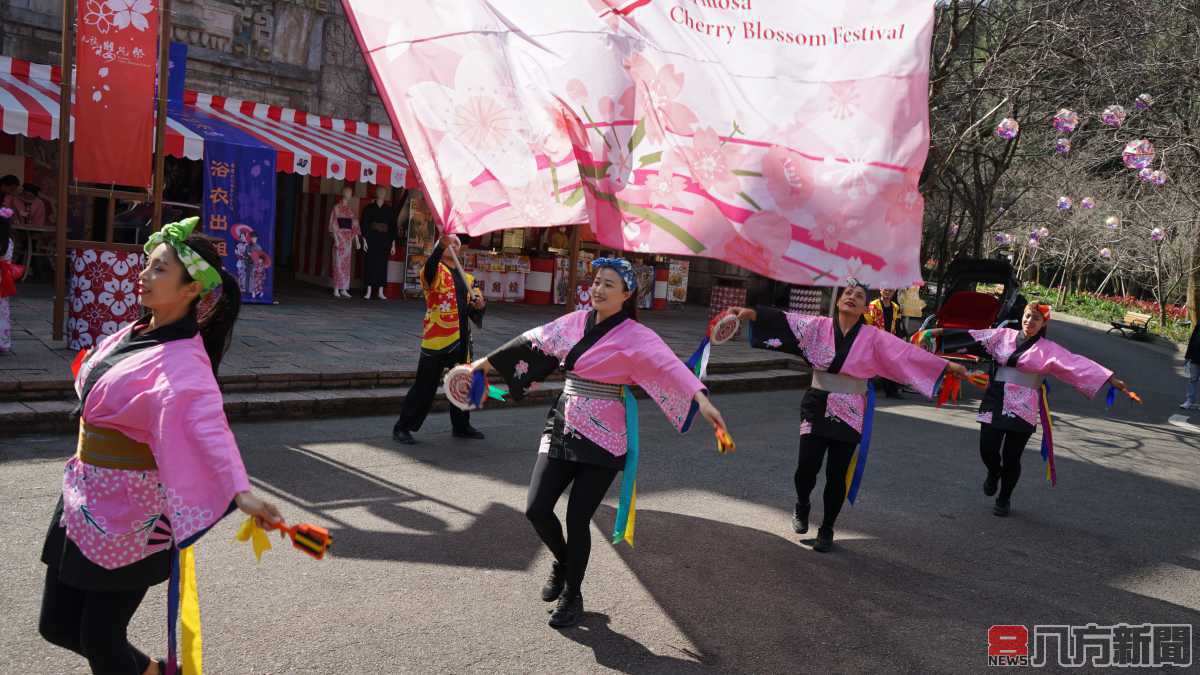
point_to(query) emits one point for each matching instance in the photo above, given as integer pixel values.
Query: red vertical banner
(116, 56)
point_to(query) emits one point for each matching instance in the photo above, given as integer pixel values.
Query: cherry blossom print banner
(783, 137)
(117, 58)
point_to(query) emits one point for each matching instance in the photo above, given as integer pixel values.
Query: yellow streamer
(191, 654)
(632, 514)
(250, 531)
(850, 471)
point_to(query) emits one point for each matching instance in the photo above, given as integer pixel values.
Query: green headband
(175, 235)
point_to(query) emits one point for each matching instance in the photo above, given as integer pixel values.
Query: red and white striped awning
(314, 145)
(29, 94)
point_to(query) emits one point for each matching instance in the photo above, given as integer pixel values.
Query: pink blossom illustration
(652, 98)
(712, 162)
(828, 230)
(97, 13)
(128, 13)
(789, 177)
(663, 188)
(577, 91)
(771, 230)
(843, 100)
(905, 205)
(482, 123)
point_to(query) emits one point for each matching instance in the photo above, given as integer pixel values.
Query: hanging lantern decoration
(1113, 222)
(1062, 146)
(953, 229)
(1145, 175)
(1113, 116)
(1158, 177)
(1008, 128)
(1033, 242)
(1157, 234)
(1138, 154)
(1106, 254)
(1064, 203)
(1065, 121)
(1003, 239)
(1087, 203)
(1143, 102)
(1043, 232)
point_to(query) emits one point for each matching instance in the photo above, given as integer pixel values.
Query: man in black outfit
(1191, 361)
(446, 339)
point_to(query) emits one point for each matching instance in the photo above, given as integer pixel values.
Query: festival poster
(239, 210)
(672, 127)
(116, 57)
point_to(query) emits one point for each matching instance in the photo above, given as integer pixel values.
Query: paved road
(437, 570)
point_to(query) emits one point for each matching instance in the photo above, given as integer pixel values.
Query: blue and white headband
(621, 266)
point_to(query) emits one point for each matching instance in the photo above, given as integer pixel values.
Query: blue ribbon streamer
(478, 389)
(864, 445)
(1111, 397)
(172, 612)
(629, 479)
(698, 361)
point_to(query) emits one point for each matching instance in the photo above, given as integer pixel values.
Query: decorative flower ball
(1065, 121)
(1106, 254)
(1143, 102)
(1113, 222)
(1044, 232)
(1003, 238)
(1157, 234)
(1158, 177)
(1145, 175)
(953, 229)
(6, 212)
(1064, 203)
(1008, 128)
(1088, 203)
(1062, 146)
(1113, 116)
(1033, 242)
(1138, 154)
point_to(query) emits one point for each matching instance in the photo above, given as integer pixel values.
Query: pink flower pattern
(136, 496)
(848, 408)
(652, 98)
(790, 179)
(601, 421)
(1021, 402)
(712, 162)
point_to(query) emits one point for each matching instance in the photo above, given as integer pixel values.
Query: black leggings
(92, 624)
(812, 451)
(1001, 454)
(550, 479)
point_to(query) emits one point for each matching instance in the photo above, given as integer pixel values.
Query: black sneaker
(1001, 508)
(800, 518)
(403, 437)
(469, 432)
(554, 584)
(824, 541)
(991, 483)
(569, 611)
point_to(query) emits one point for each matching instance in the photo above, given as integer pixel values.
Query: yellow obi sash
(111, 449)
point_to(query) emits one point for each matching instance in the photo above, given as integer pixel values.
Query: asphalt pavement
(435, 568)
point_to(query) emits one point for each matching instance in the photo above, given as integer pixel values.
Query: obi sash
(111, 449)
(838, 384)
(577, 386)
(1018, 377)
(345, 223)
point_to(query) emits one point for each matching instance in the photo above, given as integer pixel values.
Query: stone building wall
(296, 53)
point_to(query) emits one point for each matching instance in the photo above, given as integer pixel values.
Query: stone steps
(342, 398)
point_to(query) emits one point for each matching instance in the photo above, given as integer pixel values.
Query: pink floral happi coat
(166, 397)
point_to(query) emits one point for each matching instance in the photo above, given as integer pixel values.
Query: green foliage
(1098, 309)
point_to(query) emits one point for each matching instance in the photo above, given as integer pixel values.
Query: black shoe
(554, 585)
(800, 518)
(569, 611)
(402, 436)
(469, 432)
(824, 541)
(991, 483)
(1001, 508)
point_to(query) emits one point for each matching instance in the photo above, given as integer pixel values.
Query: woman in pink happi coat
(156, 464)
(845, 354)
(1011, 406)
(343, 228)
(586, 440)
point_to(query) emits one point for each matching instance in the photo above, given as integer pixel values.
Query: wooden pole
(66, 65)
(160, 123)
(573, 271)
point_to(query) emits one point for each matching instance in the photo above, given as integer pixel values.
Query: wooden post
(573, 271)
(160, 123)
(66, 63)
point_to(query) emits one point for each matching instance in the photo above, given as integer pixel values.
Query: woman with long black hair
(1015, 399)
(156, 464)
(591, 431)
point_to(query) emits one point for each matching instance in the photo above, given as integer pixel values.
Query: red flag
(116, 56)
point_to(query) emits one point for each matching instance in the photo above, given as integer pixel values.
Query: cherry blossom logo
(712, 162)
(99, 14)
(117, 296)
(119, 14)
(653, 95)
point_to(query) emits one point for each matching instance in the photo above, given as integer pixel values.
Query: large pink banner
(783, 137)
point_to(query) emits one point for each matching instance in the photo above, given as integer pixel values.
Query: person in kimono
(591, 430)
(1013, 402)
(8, 281)
(156, 465)
(451, 305)
(261, 262)
(884, 314)
(379, 223)
(242, 252)
(836, 411)
(343, 228)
